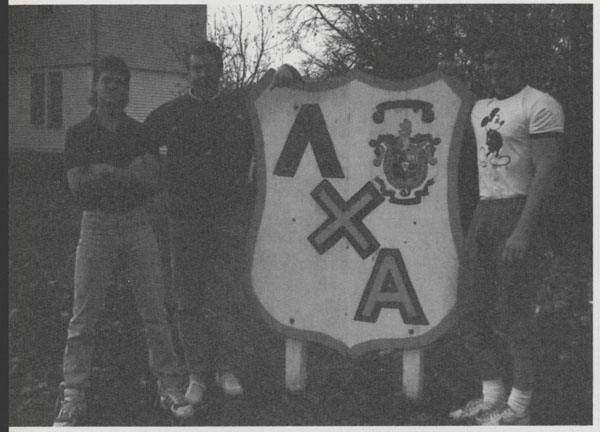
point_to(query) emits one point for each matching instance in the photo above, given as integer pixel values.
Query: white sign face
(356, 231)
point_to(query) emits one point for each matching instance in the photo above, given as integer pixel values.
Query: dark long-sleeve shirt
(209, 148)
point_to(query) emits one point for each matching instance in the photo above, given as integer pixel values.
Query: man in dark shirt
(112, 169)
(210, 142)
(209, 139)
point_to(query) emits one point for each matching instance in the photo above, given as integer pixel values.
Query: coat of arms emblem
(405, 161)
(356, 231)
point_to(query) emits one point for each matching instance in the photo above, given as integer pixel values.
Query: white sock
(519, 400)
(493, 391)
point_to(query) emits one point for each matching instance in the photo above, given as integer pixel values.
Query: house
(52, 49)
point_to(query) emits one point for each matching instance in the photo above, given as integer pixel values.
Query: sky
(280, 55)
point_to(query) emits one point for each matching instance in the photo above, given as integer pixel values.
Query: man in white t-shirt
(518, 134)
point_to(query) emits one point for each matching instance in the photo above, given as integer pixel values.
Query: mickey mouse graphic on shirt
(492, 124)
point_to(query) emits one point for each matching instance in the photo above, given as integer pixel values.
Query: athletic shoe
(230, 384)
(73, 408)
(174, 400)
(502, 415)
(472, 409)
(195, 392)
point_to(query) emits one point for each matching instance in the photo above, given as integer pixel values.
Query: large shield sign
(356, 229)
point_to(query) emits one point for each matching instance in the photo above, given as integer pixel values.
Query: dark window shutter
(37, 101)
(55, 100)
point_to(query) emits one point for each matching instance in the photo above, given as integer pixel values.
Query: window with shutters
(46, 100)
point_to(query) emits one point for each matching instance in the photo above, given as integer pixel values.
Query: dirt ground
(43, 233)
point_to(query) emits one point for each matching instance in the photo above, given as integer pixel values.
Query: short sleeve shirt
(503, 130)
(90, 143)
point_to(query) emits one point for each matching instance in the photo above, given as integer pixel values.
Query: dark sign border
(460, 89)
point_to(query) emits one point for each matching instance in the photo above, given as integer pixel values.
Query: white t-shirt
(502, 132)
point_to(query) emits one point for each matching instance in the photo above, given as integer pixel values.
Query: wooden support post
(295, 364)
(412, 373)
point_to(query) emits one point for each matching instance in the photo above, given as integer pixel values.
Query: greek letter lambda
(309, 126)
(390, 287)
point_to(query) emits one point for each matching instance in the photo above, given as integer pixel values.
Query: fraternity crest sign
(356, 229)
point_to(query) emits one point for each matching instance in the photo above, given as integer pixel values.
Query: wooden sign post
(296, 362)
(412, 373)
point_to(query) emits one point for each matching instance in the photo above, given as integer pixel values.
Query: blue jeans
(106, 240)
(212, 314)
(496, 299)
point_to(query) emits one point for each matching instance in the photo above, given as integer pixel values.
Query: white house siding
(149, 89)
(60, 38)
(69, 37)
(146, 36)
(24, 136)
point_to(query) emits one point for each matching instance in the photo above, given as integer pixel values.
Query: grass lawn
(43, 234)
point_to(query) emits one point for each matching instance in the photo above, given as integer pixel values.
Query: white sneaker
(503, 415)
(73, 408)
(195, 391)
(174, 400)
(473, 409)
(230, 384)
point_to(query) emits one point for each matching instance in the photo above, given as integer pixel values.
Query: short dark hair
(503, 41)
(205, 48)
(112, 64)
(109, 63)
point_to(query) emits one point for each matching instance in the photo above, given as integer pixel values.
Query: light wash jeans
(109, 241)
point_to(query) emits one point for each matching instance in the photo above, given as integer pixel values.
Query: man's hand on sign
(453, 69)
(285, 76)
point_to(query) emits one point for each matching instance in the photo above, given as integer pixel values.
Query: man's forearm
(546, 162)
(85, 180)
(539, 188)
(520, 240)
(142, 173)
